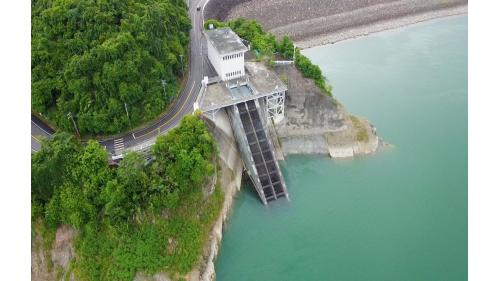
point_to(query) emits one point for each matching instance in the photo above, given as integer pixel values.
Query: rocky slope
(318, 124)
(53, 263)
(315, 22)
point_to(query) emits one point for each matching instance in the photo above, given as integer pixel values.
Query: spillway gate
(251, 103)
(257, 151)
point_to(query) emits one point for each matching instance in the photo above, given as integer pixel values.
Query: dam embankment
(317, 22)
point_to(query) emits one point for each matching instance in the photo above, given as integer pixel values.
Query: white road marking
(40, 128)
(118, 144)
(190, 91)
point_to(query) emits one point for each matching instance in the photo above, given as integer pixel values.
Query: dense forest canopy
(120, 212)
(110, 64)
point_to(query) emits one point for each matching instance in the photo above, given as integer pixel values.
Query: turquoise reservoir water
(398, 215)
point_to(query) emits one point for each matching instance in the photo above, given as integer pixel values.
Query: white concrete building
(226, 52)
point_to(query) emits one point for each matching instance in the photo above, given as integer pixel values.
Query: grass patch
(361, 131)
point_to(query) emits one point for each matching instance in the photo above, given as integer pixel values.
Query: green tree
(117, 206)
(96, 60)
(186, 153)
(286, 47)
(52, 165)
(76, 209)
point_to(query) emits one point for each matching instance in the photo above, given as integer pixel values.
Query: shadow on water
(248, 189)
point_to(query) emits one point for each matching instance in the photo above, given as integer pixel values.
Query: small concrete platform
(259, 82)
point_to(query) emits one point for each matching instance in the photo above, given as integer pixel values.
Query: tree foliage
(312, 71)
(286, 47)
(185, 153)
(52, 165)
(120, 212)
(99, 59)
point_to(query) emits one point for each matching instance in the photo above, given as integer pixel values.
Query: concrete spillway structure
(253, 97)
(257, 150)
(252, 103)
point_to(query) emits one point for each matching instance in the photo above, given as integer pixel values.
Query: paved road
(183, 104)
(38, 130)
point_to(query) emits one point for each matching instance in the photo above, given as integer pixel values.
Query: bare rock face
(63, 251)
(156, 277)
(53, 264)
(229, 178)
(39, 262)
(316, 123)
(308, 110)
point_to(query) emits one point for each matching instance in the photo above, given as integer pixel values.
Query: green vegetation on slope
(98, 60)
(139, 217)
(266, 47)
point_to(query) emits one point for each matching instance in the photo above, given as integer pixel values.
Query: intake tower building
(253, 98)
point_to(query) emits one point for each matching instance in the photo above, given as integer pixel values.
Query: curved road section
(183, 105)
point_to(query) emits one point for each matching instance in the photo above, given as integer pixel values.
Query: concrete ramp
(257, 151)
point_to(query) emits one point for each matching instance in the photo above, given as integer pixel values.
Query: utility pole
(126, 110)
(182, 64)
(70, 116)
(163, 84)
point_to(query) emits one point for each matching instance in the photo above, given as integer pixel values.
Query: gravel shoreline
(358, 31)
(316, 22)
